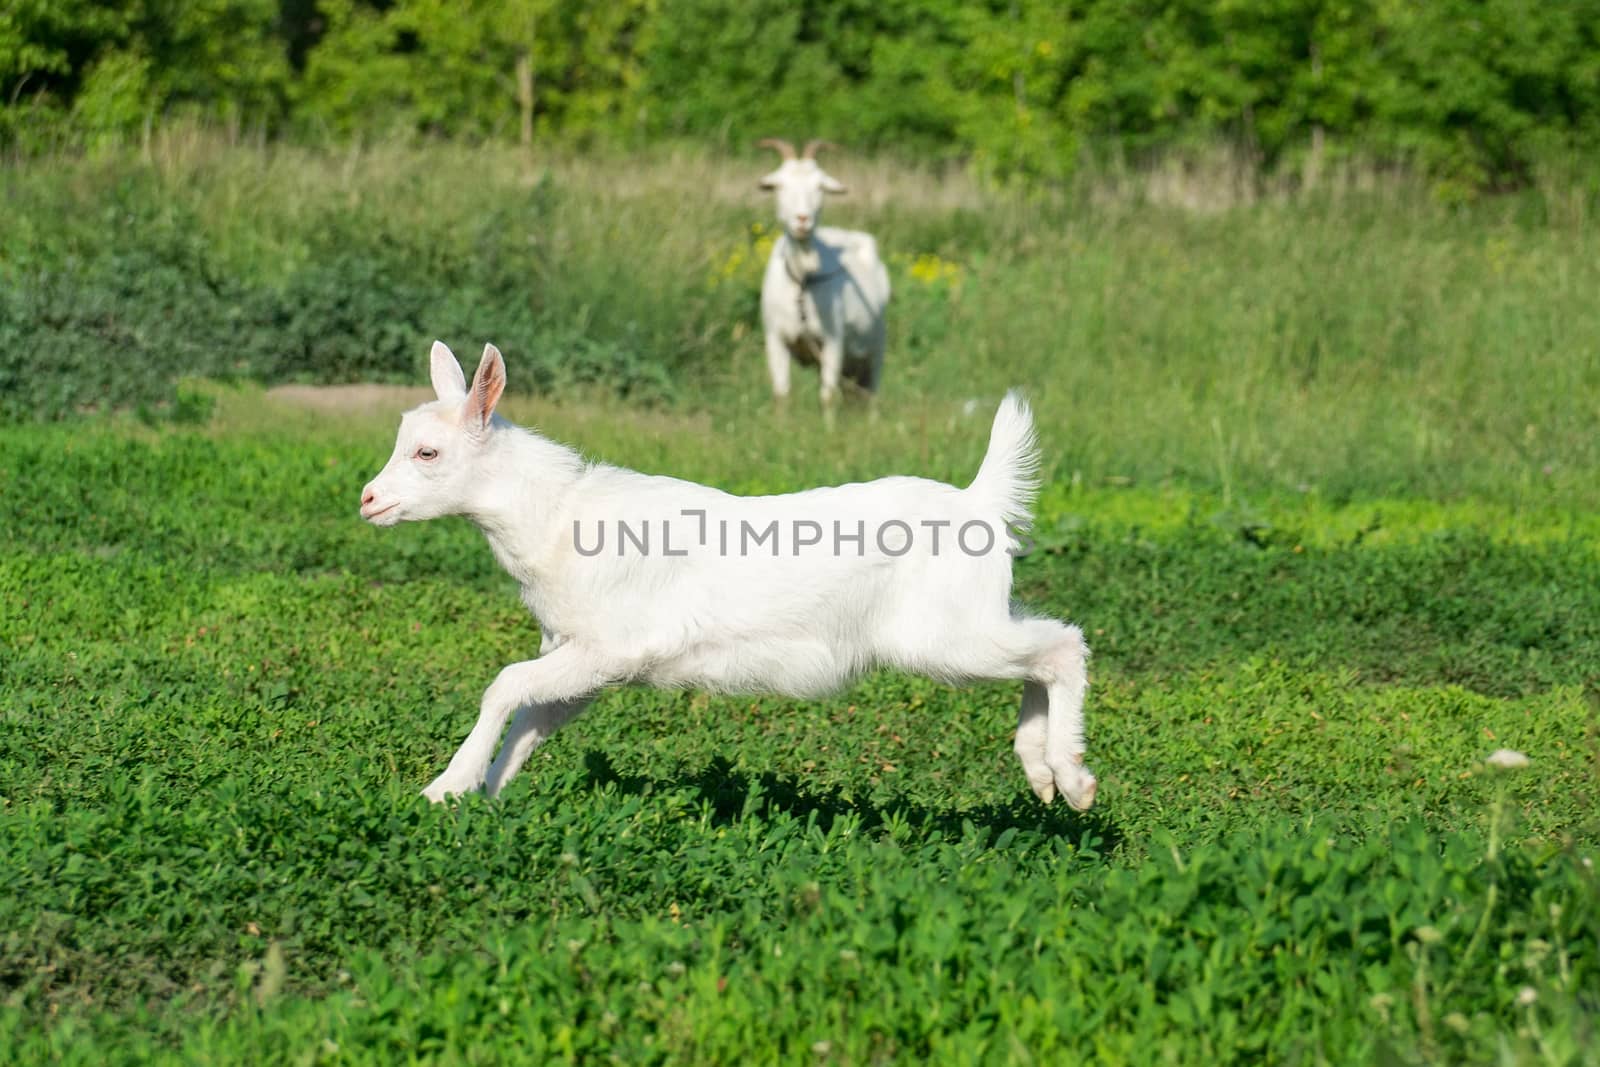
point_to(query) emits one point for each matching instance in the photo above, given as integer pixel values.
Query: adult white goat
(825, 291)
(793, 595)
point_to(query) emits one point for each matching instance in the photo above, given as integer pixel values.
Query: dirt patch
(357, 399)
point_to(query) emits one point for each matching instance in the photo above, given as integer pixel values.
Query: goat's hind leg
(1032, 724)
(1050, 724)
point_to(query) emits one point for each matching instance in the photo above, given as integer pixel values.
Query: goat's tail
(1009, 477)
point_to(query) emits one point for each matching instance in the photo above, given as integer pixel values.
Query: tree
(472, 68)
(121, 64)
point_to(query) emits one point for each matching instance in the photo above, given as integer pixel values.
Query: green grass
(1319, 594)
(222, 692)
(1364, 340)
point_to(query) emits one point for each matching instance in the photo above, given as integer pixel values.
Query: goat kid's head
(800, 183)
(435, 466)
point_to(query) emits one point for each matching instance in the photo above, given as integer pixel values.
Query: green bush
(124, 292)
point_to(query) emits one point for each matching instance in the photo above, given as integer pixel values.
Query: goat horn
(814, 146)
(785, 149)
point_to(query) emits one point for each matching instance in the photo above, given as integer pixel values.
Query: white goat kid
(793, 595)
(825, 291)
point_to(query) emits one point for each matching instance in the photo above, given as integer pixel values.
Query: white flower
(1526, 995)
(1507, 759)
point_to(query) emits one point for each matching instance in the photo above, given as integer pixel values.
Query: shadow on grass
(734, 795)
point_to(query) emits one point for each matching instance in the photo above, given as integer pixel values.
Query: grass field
(1321, 490)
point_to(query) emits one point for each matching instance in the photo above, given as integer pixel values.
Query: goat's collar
(805, 279)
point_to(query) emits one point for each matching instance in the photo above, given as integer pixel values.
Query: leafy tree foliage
(112, 67)
(448, 67)
(1476, 91)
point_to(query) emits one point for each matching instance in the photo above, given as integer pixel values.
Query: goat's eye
(427, 453)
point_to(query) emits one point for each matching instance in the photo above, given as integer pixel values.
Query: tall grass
(1182, 323)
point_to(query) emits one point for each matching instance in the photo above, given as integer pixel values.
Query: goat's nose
(368, 496)
(802, 219)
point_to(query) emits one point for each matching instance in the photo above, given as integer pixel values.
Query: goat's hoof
(1078, 786)
(1046, 792)
(440, 792)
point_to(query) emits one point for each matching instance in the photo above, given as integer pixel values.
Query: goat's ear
(487, 385)
(770, 182)
(830, 184)
(448, 380)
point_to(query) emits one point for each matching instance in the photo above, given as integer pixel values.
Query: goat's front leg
(778, 365)
(830, 362)
(533, 725)
(568, 673)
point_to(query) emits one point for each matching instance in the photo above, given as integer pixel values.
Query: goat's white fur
(791, 622)
(825, 292)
